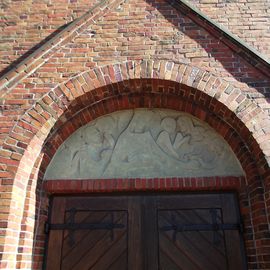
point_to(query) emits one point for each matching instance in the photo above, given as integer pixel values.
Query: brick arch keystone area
(129, 85)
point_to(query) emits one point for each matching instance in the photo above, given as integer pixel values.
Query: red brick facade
(122, 56)
(31, 23)
(249, 20)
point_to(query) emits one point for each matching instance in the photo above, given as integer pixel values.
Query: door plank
(84, 238)
(167, 263)
(205, 238)
(92, 247)
(197, 245)
(177, 255)
(91, 257)
(150, 233)
(135, 258)
(142, 245)
(235, 252)
(118, 248)
(120, 263)
(200, 244)
(55, 237)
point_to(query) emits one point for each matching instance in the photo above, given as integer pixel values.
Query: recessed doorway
(145, 231)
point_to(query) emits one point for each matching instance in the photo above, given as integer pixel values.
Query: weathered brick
(82, 79)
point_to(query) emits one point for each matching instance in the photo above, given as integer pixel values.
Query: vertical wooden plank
(55, 236)
(233, 238)
(150, 233)
(135, 240)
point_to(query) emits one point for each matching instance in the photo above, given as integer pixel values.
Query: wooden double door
(149, 232)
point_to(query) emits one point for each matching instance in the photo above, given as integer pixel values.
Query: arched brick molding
(128, 85)
(79, 116)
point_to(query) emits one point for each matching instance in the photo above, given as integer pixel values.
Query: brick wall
(148, 93)
(132, 31)
(127, 54)
(25, 24)
(86, 99)
(249, 20)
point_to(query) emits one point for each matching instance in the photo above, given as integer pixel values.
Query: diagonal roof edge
(251, 55)
(11, 78)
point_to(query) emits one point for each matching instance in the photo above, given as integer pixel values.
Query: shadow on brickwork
(233, 63)
(32, 50)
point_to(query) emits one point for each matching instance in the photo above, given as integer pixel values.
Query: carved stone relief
(143, 143)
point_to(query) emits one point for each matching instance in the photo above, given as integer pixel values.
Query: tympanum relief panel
(143, 143)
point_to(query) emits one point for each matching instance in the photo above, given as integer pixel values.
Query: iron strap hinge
(178, 228)
(202, 227)
(72, 226)
(46, 227)
(215, 226)
(83, 226)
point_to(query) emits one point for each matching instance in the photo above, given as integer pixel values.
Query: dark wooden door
(188, 231)
(199, 232)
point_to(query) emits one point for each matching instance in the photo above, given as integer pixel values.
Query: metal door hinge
(215, 226)
(46, 227)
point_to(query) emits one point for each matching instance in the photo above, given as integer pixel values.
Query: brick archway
(122, 86)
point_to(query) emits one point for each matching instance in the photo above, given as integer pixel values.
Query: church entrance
(145, 231)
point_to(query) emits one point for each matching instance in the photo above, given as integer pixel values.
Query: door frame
(157, 186)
